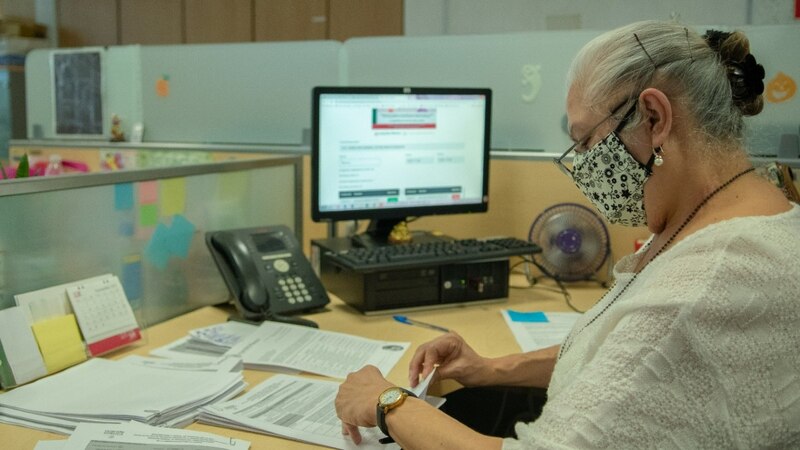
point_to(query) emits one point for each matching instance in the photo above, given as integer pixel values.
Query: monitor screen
(388, 154)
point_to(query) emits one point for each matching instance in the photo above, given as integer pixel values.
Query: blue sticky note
(158, 249)
(535, 316)
(126, 228)
(123, 196)
(132, 280)
(181, 233)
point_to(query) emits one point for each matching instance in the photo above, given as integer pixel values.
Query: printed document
(277, 345)
(207, 343)
(135, 435)
(536, 330)
(300, 409)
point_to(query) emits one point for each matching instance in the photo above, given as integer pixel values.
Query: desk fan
(574, 242)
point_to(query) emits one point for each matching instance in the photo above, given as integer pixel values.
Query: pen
(406, 320)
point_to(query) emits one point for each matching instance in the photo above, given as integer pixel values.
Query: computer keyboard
(431, 253)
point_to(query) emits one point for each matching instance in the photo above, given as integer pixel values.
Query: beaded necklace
(570, 338)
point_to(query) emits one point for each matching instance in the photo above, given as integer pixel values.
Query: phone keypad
(294, 289)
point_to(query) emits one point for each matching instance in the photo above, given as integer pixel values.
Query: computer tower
(422, 286)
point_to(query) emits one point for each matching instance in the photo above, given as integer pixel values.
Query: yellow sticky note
(60, 342)
(173, 196)
(232, 186)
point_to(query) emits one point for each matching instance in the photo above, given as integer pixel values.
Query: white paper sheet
(116, 391)
(328, 353)
(50, 445)
(300, 409)
(20, 347)
(136, 436)
(187, 348)
(225, 334)
(222, 364)
(537, 335)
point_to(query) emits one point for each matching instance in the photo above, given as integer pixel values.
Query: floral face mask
(613, 180)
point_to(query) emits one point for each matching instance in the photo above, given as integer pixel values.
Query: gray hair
(621, 63)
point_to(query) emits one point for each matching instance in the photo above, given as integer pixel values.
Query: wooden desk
(481, 325)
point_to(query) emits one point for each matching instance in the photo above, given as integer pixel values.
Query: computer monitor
(391, 153)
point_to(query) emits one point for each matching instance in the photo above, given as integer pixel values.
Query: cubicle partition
(145, 226)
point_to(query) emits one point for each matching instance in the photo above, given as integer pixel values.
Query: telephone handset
(267, 273)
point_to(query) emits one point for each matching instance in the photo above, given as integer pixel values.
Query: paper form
(134, 435)
(280, 345)
(60, 342)
(20, 358)
(225, 334)
(50, 445)
(536, 330)
(188, 348)
(296, 408)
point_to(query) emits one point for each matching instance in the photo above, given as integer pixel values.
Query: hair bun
(745, 75)
(747, 78)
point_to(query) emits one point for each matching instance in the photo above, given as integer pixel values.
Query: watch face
(390, 396)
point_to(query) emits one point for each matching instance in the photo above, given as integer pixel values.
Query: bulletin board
(78, 108)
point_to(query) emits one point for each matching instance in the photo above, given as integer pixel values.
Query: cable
(533, 281)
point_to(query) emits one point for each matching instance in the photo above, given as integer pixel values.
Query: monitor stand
(377, 234)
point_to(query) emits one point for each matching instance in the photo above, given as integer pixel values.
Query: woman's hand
(454, 358)
(357, 400)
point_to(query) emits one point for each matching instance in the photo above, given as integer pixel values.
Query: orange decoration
(781, 88)
(162, 87)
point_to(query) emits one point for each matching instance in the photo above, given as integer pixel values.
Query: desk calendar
(104, 315)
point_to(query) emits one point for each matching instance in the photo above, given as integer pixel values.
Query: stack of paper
(536, 330)
(278, 346)
(101, 390)
(207, 343)
(297, 408)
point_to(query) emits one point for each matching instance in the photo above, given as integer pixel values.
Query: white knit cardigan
(701, 351)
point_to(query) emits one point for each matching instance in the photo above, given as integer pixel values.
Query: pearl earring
(659, 160)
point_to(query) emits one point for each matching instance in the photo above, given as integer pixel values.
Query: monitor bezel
(396, 213)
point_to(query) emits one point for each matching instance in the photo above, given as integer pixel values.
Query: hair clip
(645, 50)
(688, 44)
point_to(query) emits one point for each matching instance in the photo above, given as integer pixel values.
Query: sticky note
(60, 342)
(535, 316)
(126, 228)
(131, 277)
(180, 236)
(148, 215)
(158, 248)
(148, 192)
(123, 196)
(232, 185)
(173, 196)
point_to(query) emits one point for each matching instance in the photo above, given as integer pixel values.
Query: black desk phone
(267, 274)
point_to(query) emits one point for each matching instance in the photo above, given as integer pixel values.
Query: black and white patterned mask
(613, 181)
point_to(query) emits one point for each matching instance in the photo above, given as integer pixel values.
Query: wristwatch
(389, 399)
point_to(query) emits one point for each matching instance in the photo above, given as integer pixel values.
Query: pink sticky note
(148, 192)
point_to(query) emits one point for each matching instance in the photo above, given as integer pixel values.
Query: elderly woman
(697, 344)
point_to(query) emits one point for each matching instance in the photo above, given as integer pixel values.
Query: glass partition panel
(145, 226)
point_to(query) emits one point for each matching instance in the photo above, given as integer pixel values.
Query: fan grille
(574, 242)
